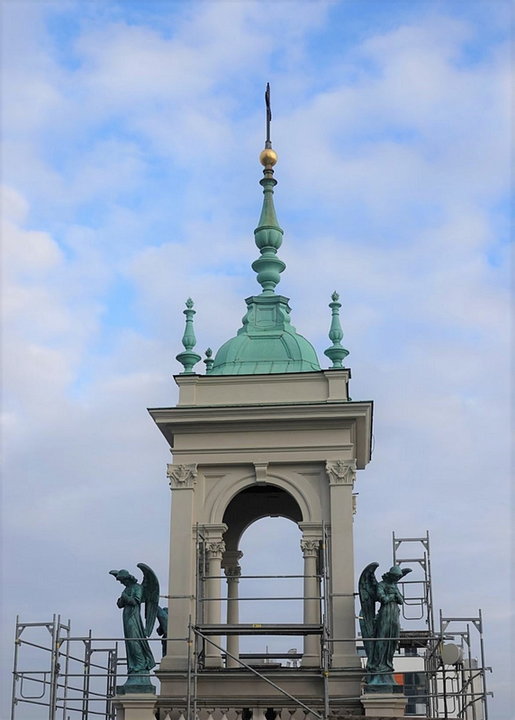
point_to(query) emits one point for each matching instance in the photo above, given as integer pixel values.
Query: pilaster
(181, 607)
(341, 474)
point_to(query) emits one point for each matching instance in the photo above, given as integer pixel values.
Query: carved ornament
(215, 549)
(341, 472)
(181, 476)
(310, 547)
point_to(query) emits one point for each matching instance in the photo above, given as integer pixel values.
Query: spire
(336, 353)
(267, 342)
(188, 358)
(268, 234)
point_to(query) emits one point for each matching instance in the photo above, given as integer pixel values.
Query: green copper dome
(267, 342)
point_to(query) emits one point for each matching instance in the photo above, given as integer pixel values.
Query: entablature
(316, 430)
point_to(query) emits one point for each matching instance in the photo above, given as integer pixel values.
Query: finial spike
(209, 361)
(268, 234)
(268, 142)
(336, 353)
(188, 358)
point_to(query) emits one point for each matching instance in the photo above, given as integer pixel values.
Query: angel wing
(150, 587)
(367, 587)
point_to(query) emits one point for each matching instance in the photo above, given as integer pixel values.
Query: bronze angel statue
(140, 660)
(380, 632)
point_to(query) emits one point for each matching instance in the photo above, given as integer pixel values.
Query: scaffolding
(75, 676)
(418, 606)
(79, 676)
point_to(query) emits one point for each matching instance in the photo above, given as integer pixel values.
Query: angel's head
(123, 576)
(394, 574)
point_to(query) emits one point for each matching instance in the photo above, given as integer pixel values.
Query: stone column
(341, 474)
(232, 570)
(310, 544)
(215, 548)
(181, 604)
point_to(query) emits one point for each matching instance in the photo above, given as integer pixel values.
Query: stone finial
(188, 358)
(336, 353)
(209, 360)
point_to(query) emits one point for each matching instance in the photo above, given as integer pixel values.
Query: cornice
(273, 411)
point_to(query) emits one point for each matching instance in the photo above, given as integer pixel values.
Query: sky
(131, 135)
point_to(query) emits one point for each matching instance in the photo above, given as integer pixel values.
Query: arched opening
(262, 542)
(253, 503)
(271, 556)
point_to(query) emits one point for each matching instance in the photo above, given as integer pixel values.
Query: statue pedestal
(384, 705)
(135, 706)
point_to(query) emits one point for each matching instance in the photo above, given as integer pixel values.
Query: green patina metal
(268, 237)
(140, 659)
(336, 353)
(381, 630)
(209, 360)
(267, 342)
(188, 358)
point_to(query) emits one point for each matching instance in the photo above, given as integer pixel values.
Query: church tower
(265, 431)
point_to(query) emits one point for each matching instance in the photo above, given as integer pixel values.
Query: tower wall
(298, 438)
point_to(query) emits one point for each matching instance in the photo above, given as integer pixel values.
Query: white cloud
(132, 167)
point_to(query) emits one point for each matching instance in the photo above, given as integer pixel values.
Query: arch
(255, 502)
(307, 499)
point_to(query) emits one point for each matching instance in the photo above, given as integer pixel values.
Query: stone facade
(246, 447)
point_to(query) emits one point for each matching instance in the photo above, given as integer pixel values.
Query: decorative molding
(341, 472)
(310, 547)
(232, 572)
(213, 542)
(231, 565)
(354, 503)
(215, 549)
(261, 472)
(181, 476)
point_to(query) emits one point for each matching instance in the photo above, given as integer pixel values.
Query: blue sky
(130, 182)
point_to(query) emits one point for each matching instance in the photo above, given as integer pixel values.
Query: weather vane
(268, 156)
(268, 143)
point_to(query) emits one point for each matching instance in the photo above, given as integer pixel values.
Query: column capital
(310, 547)
(233, 572)
(181, 477)
(215, 549)
(215, 546)
(311, 538)
(341, 472)
(230, 563)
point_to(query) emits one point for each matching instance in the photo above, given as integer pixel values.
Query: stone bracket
(261, 473)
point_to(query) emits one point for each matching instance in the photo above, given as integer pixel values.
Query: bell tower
(265, 431)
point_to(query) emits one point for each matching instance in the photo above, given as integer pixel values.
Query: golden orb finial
(268, 157)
